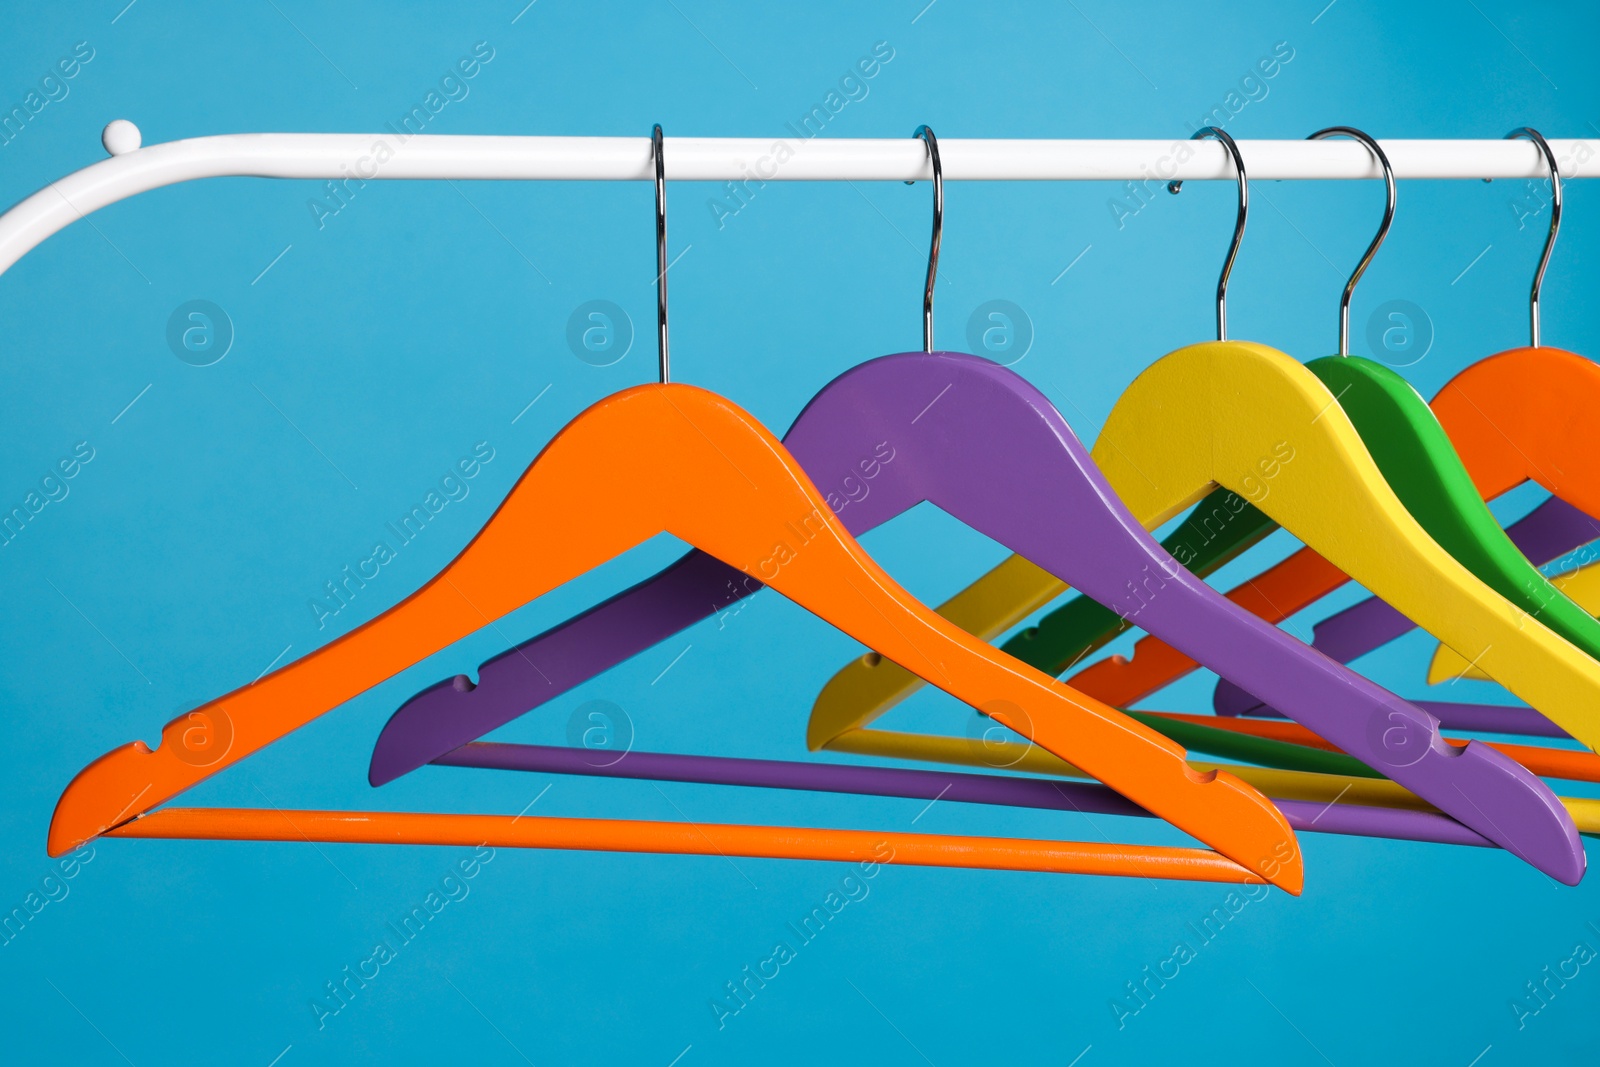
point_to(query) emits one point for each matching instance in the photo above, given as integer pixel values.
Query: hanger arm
(1082, 626)
(1418, 461)
(1581, 584)
(1553, 528)
(1123, 681)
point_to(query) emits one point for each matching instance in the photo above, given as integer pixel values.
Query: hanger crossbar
(686, 838)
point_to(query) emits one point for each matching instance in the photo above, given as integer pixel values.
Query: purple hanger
(1399, 824)
(982, 444)
(1548, 532)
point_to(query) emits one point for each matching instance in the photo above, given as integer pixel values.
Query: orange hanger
(679, 459)
(674, 458)
(1528, 414)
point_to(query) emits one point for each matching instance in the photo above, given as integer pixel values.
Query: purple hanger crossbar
(981, 443)
(1546, 533)
(1398, 824)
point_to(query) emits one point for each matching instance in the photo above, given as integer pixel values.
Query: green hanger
(1418, 461)
(1421, 466)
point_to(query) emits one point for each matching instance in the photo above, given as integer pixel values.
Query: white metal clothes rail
(133, 169)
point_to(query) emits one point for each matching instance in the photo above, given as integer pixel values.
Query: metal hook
(1238, 225)
(926, 134)
(661, 249)
(1383, 230)
(1555, 222)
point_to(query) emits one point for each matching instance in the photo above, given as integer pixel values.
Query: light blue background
(424, 317)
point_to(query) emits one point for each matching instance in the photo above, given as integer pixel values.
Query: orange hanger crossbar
(695, 839)
(682, 460)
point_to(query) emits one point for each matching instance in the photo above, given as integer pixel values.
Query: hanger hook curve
(1238, 225)
(925, 133)
(661, 250)
(1533, 135)
(1383, 230)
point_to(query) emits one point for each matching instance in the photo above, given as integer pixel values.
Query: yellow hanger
(1581, 586)
(1254, 420)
